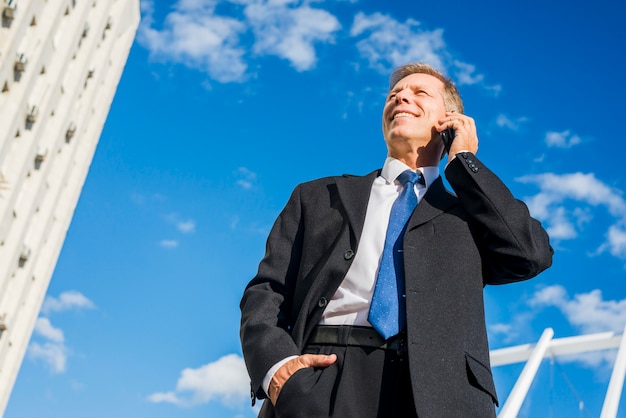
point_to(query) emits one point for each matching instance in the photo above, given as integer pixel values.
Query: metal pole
(614, 391)
(511, 407)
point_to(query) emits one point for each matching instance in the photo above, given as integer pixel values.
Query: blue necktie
(387, 309)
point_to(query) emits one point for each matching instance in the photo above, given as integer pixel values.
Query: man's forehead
(419, 79)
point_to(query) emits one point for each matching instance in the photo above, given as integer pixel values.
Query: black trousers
(364, 382)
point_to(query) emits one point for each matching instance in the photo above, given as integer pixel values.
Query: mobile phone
(447, 137)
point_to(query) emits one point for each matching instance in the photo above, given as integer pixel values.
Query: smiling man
(369, 300)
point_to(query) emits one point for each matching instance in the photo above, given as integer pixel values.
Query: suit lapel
(354, 193)
(436, 200)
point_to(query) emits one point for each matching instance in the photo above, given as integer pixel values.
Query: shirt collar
(393, 168)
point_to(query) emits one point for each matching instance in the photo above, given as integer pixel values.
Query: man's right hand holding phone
(465, 136)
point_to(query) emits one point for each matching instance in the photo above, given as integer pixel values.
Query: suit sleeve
(514, 246)
(266, 303)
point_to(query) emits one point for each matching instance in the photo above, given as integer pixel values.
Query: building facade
(60, 64)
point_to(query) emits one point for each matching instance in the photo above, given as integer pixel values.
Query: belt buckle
(398, 344)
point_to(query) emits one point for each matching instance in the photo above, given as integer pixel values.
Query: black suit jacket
(453, 246)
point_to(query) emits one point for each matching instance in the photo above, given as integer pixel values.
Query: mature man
(369, 300)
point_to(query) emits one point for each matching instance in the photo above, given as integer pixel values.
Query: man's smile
(404, 115)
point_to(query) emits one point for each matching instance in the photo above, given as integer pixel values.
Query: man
(342, 255)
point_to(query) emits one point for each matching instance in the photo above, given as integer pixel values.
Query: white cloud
(187, 226)
(289, 30)
(563, 139)
(588, 312)
(616, 242)
(77, 386)
(500, 328)
(53, 352)
(387, 43)
(247, 179)
(169, 397)
(564, 221)
(66, 301)
(244, 184)
(465, 73)
(195, 36)
(44, 328)
(168, 243)
(508, 333)
(140, 199)
(562, 225)
(551, 295)
(578, 186)
(225, 380)
(514, 124)
(54, 355)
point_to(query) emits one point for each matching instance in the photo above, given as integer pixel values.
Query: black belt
(347, 335)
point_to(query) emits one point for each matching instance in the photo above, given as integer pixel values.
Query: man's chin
(401, 136)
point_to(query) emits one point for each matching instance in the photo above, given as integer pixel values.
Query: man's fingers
(292, 366)
(466, 138)
(317, 360)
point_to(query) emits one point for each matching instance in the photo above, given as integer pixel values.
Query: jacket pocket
(480, 377)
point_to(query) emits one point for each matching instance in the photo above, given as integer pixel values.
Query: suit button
(348, 254)
(322, 302)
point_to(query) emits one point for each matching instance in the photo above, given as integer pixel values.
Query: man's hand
(292, 366)
(465, 138)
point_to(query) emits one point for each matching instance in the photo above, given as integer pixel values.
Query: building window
(9, 11)
(20, 62)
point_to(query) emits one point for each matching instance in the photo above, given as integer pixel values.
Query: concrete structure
(60, 64)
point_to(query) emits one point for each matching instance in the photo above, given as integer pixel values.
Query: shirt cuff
(270, 373)
(452, 157)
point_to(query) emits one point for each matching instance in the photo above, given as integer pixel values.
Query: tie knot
(412, 177)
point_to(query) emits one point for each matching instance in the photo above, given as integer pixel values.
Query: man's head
(451, 95)
(419, 96)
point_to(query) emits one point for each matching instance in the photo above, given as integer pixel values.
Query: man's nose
(402, 96)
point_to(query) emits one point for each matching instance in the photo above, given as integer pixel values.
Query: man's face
(412, 111)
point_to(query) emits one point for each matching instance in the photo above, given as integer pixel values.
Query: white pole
(514, 402)
(614, 391)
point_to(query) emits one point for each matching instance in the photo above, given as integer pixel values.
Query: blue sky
(224, 106)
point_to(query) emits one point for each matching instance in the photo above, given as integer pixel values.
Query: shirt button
(348, 254)
(322, 302)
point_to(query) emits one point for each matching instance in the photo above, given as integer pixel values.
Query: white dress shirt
(351, 303)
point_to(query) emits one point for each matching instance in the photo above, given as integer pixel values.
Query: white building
(60, 64)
